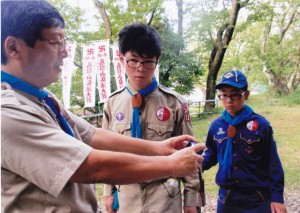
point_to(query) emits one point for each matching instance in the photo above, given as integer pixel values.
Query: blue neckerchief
(226, 162)
(39, 93)
(136, 129)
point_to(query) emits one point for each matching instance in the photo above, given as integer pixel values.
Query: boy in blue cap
(250, 175)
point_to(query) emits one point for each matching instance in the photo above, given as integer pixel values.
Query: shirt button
(235, 167)
(233, 141)
(237, 181)
(234, 155)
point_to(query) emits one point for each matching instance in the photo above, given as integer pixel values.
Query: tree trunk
(179, 4)
(283, 84)
(277, 82)
(105, 18)
(223, 39)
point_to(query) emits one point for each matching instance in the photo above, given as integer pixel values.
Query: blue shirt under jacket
(256, 164)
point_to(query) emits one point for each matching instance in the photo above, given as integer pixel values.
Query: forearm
(121, 168)
(111, 141)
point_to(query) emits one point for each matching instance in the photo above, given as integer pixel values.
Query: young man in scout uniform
(145, 109)
(50, 157)
(250, 174)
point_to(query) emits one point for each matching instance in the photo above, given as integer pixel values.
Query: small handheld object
(193, 143)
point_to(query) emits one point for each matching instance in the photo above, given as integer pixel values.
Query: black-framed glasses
(232, 97)
(133, 63)
(61, 44)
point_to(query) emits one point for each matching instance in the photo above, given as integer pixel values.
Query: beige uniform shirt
(38, 158)
(163, 114)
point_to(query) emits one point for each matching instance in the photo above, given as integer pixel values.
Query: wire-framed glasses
(61, 44)
(236, 96)
(133, 63)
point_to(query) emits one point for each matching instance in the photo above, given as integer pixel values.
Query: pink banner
(67, 72)
(119, 70)
(103, 70)
(89, 68)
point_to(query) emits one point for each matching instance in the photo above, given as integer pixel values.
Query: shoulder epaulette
(116, 92)
(179, 97)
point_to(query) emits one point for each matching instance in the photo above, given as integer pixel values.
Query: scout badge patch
(163, 114)
(185, 109)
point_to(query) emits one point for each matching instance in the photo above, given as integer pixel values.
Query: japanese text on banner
(89, 68)
(103, 69)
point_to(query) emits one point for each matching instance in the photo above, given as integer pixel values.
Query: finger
(199, 159)
(191, 138)
(188, 138)
(198, 147)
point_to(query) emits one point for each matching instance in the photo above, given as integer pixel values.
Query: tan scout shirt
(163, 114)
(38, 158)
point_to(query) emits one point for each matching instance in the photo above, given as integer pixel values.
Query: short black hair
(141, 38)
(25, 20)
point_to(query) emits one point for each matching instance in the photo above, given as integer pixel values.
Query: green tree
(179, 68)
(268, 49)
(216, 31)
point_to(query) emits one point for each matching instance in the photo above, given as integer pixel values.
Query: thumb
(198, 148)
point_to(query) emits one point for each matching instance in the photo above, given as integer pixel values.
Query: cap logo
(228, 75)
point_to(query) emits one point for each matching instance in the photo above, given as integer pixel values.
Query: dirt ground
(292, 201)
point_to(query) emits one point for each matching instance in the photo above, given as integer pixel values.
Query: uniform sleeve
(210, 153)
(276, 173)
(84, 129)
(108, 188)
(38, 150)
(191, 183)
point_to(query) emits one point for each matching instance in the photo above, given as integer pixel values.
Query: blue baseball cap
(234, 78)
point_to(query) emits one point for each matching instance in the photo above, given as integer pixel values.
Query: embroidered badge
(249, 150)
(220, 140)
(119, 116)
(228, 75)
(252, 125)
(221, 131)
(185, 109)
(163, 114)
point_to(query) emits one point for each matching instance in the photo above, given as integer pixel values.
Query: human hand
(171, 145)
(278, 208)
(109, 203)
(190, 209)
(186, 161)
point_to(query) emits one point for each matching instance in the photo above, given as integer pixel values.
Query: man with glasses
(145, 109)
(250, 174)
(50, 158)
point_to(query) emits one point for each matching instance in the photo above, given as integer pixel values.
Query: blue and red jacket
(256, 163)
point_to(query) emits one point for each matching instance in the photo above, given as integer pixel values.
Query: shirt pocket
(252, 145)
(250, 138)
(158, 132)
(122, 128)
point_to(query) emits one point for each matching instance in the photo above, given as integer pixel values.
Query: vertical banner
(103, 69)
(67, 72)
(89, 68)
(156, 73)
(119, 70)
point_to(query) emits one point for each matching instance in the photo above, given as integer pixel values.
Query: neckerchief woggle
(23, 86)
(136, 129)
(226, 160)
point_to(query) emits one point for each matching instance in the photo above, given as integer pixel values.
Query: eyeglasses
(61, 44)
(150, 65)
(232, 97)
